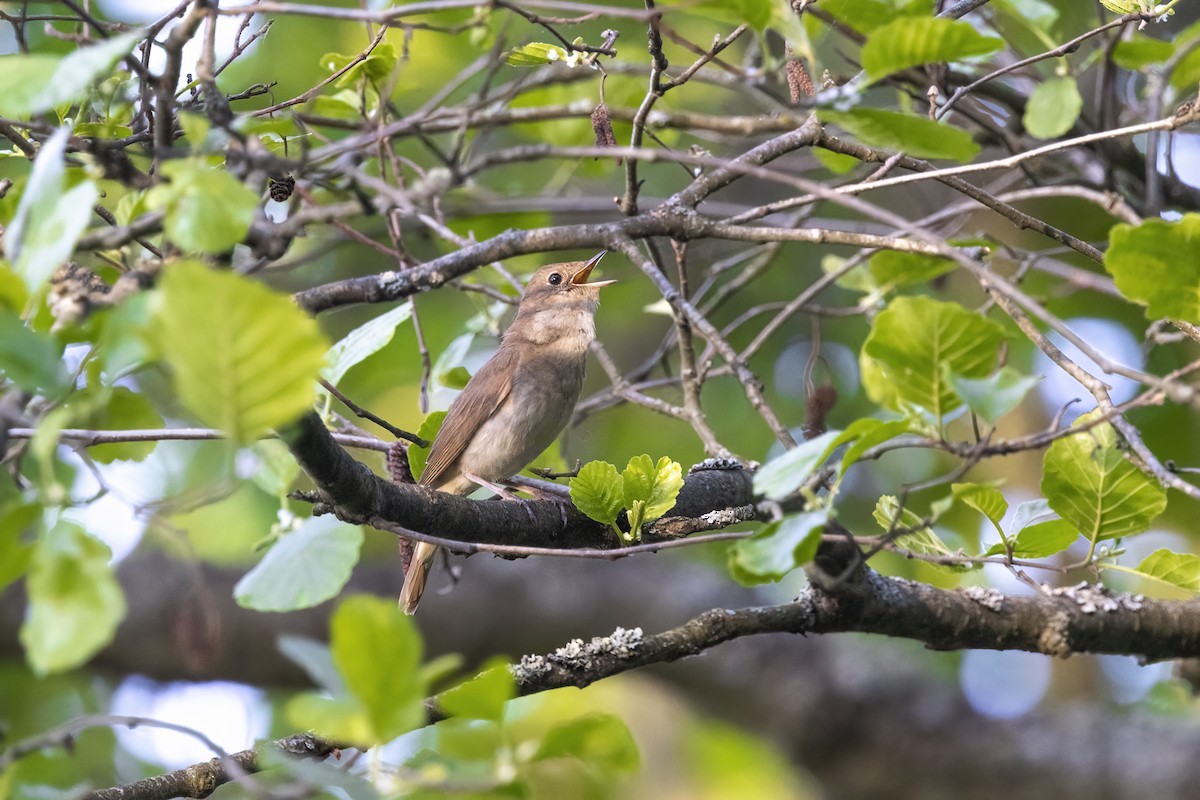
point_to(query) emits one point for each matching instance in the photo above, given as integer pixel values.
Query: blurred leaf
(861, 15)
(376, 66)
(915, 135)
(466, 746)
(36, 82)
(1040, 540)
(992, 397)
(858, 279)
(377, 650)
(534, 54)
(782, 476)
(276, 468)
(726, 762)
(455, 378)
(1157, 264)
(1181, 570)
(598, 491)
(315, 659)
(1140, 51)
(13, 294)
(244, 358)
(124, 409)
(913, 41)
(599, 740)
(417, 456)
(304, 568)
(894, 269)
(363, 342)
(837, 163)
(483, 696)
(342, 718)
(75, 602)
(15, 552)
(195, 129)
(49, 218)
(227, 528)
(1089, 481)
(916, 338)
(31, 360)
(920, 539)
(1053, 108)
(208, 210)
(865, 434)
(777, 549)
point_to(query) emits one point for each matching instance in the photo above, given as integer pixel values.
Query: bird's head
(558, 295)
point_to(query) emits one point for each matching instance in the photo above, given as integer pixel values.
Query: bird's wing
(480, 398)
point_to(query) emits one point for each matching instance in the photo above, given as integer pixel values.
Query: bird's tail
(414, 579)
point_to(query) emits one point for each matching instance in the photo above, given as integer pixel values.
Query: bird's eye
(555, 279)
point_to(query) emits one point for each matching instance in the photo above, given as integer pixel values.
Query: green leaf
(31, 360)
(304, 568)
(534, 54)
(1040, 540)
(861, 15)
(315, 659)
(15, 552)
(992, 397)
(455, 378)
(657, 485)
(782, 476)
(894, 269)
(921, 538)
(244, 358)
(49, 218)
(915, 339)
(124, 409)
(858, 279)
(377, 651)
(33, 83)
(987, 500)
(635, 512)
(598, 491)
(483, 696)
(1088, 480)
(837, 163)
(1157, 264)
(376, 66)
(1053, 108)
(778, 548)
(75, 601)
(1177, 569)
(363, 342)
(866, 433)
(208, 210)
(915, 135)
(341, 718)
(600, 740)
(913, 41)
(1141, 51)
(417, 455)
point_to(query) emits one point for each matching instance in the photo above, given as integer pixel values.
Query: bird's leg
(560, 498)
(502, 491)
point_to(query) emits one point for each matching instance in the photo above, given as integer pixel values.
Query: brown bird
(519, 401)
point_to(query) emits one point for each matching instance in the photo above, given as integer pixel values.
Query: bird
(519, 401)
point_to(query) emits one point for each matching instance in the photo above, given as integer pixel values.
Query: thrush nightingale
(519, 401)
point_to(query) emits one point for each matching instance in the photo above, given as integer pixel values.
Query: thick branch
(358, 495)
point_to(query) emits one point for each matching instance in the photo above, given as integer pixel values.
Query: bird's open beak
(581, 278)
